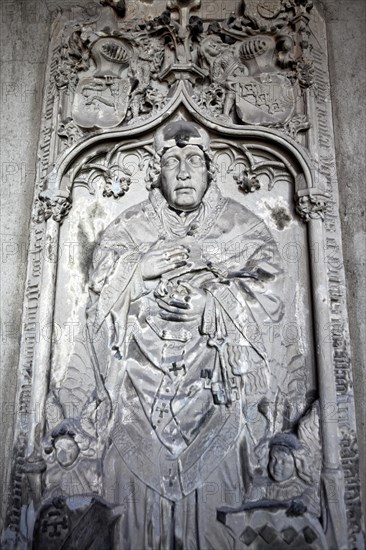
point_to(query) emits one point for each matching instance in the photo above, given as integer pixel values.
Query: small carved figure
(223, 66)
(285, 502)
(144, 70)
(290, 477)
(73, 445)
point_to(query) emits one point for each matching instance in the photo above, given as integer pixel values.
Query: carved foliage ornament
(53, 205)
(312, 204)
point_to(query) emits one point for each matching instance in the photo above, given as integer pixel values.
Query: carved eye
(195, 160)
(171, 162)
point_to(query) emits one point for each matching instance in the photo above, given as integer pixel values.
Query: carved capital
(311, 204)
(55, 204)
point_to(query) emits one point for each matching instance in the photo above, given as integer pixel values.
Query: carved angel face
(148, 49)
(184, 177)
(66, 450)
(281, 463)
(213, 47)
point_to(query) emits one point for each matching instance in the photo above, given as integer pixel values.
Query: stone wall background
(25, 26)
(346, 22)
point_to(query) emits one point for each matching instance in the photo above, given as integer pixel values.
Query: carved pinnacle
(184, 7)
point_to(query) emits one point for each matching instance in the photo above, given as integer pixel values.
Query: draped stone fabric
(177, 388)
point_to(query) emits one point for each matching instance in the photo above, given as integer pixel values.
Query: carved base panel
(185, 378)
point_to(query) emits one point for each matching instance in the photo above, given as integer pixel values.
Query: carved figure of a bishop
(180, 280)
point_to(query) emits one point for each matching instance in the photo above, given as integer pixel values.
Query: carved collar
(173, 224)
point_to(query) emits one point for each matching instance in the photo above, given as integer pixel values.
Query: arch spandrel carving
(183, 376)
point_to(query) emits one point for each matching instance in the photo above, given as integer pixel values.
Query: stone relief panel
(243, 70)
(185, 378)
(254, 366)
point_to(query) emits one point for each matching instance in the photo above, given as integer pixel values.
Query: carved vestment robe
(177, 388)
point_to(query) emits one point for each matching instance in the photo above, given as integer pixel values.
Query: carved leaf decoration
(116, 184)
(298, 123)
(309, 428)
(211, 100)
(112, 170)
(309, 435)
(70, 131)
(78, 383)
(312, 206)
(250, 171)
(115, 181)
(52, 204)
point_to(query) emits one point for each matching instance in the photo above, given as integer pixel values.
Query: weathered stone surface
(53, 206)
(350, 139)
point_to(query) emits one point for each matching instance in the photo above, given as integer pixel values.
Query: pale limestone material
(310, 206)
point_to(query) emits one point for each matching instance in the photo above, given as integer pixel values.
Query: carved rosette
(311, 204)
(247, 182)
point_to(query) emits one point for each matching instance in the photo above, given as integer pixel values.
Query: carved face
(148, 49)
(281, 463)
(214, 47)
(66, 451)
(184, 177)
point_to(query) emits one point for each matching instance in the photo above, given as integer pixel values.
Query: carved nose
(183, 172)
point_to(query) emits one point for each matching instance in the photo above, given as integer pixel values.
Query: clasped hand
(187, 303)
(158, 261)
